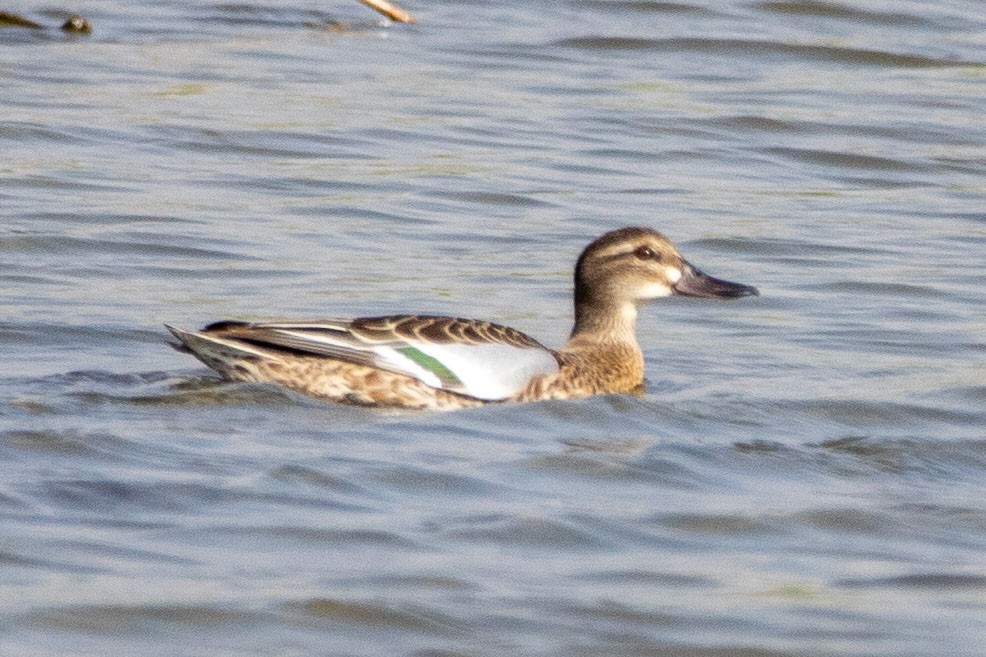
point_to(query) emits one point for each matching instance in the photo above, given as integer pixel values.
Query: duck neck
(614, 324)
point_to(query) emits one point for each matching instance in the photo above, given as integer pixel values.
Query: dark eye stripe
(642, 252)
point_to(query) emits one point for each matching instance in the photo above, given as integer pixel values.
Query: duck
(445, 363)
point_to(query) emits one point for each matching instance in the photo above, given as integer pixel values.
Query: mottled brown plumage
(417, 361)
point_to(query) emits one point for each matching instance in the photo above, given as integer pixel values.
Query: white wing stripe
(491, 371)
(402, 363)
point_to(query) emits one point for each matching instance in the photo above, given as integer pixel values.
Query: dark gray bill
(693, 283)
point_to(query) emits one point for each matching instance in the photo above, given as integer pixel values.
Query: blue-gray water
(806, 474)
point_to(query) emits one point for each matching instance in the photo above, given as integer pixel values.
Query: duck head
(625, 268)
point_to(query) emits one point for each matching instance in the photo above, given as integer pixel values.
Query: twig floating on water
(8, 19)
(390, 10)
(75, 23)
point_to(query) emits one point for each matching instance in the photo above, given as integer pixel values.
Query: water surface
(803, 476)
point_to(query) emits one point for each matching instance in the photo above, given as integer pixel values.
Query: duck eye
(646, 253)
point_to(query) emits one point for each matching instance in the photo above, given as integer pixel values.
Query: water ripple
(802, 475)
(761, 50)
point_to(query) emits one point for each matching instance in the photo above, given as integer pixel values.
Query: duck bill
(693, 283)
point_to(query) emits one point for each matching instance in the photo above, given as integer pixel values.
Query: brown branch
(8, 19)
(390, 10)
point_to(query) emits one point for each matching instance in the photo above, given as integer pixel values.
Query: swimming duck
(429, 362)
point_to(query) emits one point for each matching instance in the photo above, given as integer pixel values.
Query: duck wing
(469, 357)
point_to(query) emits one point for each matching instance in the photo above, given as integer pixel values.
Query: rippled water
(803, 477)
